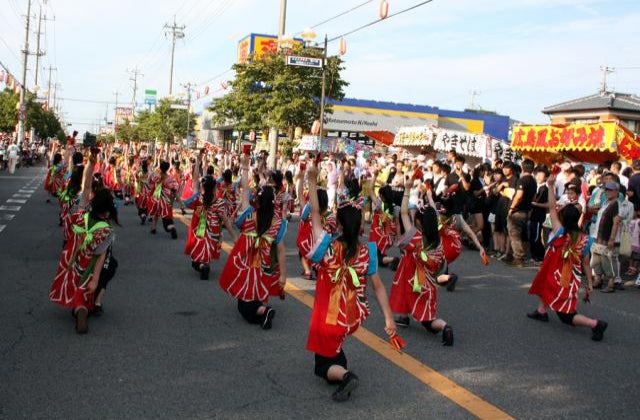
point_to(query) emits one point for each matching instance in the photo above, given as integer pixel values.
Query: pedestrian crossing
(9, 210)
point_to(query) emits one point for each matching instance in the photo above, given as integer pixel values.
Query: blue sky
(521, 55)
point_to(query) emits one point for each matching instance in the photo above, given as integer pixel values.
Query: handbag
(625, 243)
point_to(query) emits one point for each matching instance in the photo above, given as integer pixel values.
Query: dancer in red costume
(414, 289)
(227, 192)
(256, 267)
(384, 225)
(304, 239)
(55, 177)
(164, 189)
(83, 257)
(68, 194)
(344, 269)
(559, 279)
(451, 226)
(143, 191)
(205, 232)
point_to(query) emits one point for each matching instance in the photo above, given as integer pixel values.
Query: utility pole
(49, 85)
(177, 32)
(56, 86)
(23, 108)
(605, 71)
(322, 94)
(115, 118)
(39, 53)
(188, 87)
(272, 161)
(134, 78)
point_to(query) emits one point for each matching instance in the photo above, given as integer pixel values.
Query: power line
(9, 49)
(340, 15)
(379, 20)
(93, 101)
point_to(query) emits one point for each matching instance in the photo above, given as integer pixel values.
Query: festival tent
(594, 143)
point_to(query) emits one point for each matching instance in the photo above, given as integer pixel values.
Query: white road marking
(11, 200)
(7, 217)
(26, 191)
(10, 208)
(2, 227)
(21, 195)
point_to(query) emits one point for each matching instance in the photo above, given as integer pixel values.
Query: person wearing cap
(604, 252)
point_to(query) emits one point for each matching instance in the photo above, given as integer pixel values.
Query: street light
(308, 35)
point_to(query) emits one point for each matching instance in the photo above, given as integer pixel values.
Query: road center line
(428, 376)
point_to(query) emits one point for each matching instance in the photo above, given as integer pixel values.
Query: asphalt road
(172, 346)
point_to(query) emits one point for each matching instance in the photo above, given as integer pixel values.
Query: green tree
(8, 110)
(164, 123)
(269, 93)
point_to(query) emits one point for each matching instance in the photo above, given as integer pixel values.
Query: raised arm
(316, 219)
(86, 182)
(195, 174)
(553, 213)
(244, 183)
(404, 208)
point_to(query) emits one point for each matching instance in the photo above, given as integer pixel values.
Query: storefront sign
(572, 137)
(259, 46)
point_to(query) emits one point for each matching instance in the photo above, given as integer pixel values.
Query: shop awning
(383, 137)
(596, 142)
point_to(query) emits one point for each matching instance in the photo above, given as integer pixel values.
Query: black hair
(131, 160)
(145, 166)
(164, 166)
(353, 187)
(102, 202)
(542, 168)
(176, 164)
(208, 186)
(569, 217)
(527, 166)
(112, 160)
(210, 170)
(75, 182)
(289, 177)
(277, 178)
(323, 200)
(97, 183)
(386, 195)
(350, 218)
(77, 158)
(427, 219)
(57, 158)
(265, 208)
(227, 175)
(459, 158)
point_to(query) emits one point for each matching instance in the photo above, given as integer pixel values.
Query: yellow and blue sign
(258, 46)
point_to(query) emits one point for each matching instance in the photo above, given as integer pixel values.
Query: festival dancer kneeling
(256, 267)
(205, 233)
(414, 287)
(340, 305)
(79, 270)
(567, 259)
(451, 227)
